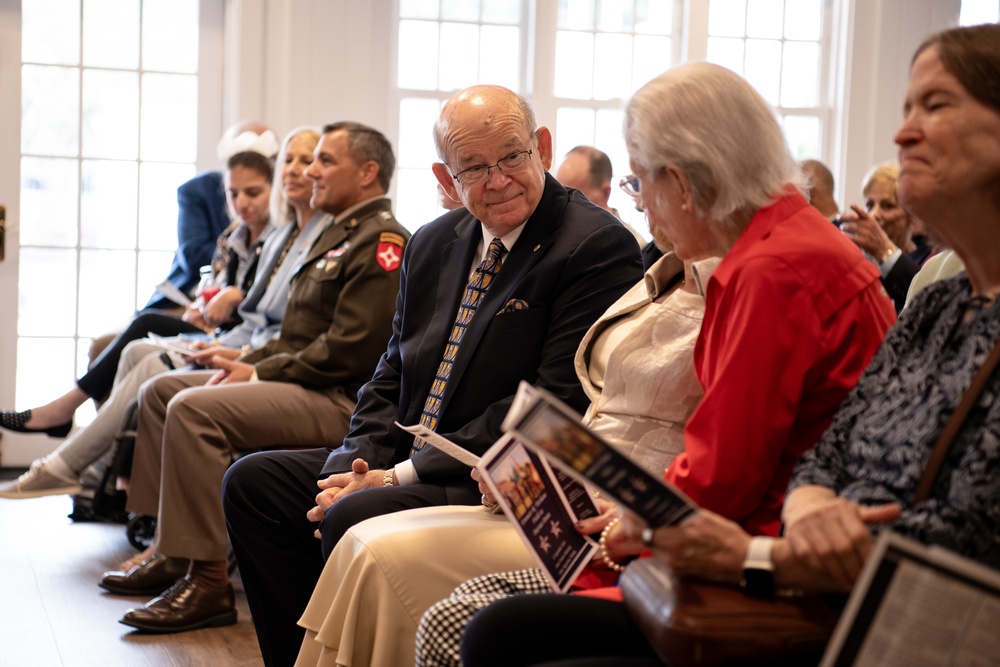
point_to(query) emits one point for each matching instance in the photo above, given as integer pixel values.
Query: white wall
(873, 52)
(309, 62)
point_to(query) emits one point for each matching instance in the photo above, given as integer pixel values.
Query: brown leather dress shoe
(189, 605)
(151, 577)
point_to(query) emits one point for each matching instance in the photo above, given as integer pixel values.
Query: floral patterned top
(877, 445)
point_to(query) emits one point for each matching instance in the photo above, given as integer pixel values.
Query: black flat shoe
(14, 421)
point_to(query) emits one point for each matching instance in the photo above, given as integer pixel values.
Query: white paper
(442, 443)
(172, 344)
(167, 289)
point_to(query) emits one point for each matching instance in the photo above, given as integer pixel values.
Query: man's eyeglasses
(630, 185)
(481, 172)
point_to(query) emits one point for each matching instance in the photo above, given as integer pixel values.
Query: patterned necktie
(482, 277)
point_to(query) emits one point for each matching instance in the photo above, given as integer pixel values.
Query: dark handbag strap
(954, 425)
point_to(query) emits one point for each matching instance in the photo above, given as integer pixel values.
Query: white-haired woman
(793, 315)
(862, 476)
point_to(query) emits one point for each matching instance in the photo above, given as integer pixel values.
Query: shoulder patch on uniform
(390, 251)
(390, 237)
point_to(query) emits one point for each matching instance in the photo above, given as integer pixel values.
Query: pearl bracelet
(602, 546)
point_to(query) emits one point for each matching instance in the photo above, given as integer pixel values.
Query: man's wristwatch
(758, 569)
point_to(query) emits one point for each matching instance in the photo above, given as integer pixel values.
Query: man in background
(820, 193)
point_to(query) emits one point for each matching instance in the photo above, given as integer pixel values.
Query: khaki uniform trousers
(188, 435)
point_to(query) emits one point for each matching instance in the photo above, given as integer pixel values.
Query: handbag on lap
(695, 623)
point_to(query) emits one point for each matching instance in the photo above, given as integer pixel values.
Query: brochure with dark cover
(545, 424)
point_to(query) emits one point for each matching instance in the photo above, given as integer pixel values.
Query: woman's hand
(220, 309)
(832, 539)
(192, 315)
(488, 500)
(864, 230)
(618, 543)
(706, 546)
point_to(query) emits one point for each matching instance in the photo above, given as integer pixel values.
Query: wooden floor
(52, 612)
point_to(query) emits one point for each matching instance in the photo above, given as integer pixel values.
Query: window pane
(416, 142)
(803, 19)
(495, 68)
(608, 137)
(727, 18)
(422, 9)
(459, 10)
(169, 101)
(974, 12)
(763, 67)
(49, 188)
(108, 196)
(803, 134)
(800, 74)
(152, 267)
(574, 126)
(765, 18)
(615, 15)
(46, 41)
(654, 17)
(43, 363)
(501, 11)
(459, 55)
(170, 35)
(576, 14)
(158, 185)
(50, 110)
(612, 57)
(652, 58)
(111, 17)
(574, 64)
(111, 114)
(42, 310)
(107, 289)
(726, 52)
(418, 188)
(418, 55)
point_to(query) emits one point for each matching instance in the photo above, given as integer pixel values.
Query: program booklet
(545, 424)
(541, 502)
(915, 604)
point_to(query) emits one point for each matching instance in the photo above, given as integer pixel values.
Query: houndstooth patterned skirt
(439, 635)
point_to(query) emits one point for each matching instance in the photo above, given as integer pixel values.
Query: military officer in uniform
(298, 390)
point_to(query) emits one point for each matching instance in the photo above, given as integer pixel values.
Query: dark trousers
(100, 377)
(265, 497)
(554, 629)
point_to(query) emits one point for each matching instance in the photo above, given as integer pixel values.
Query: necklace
(284, 252)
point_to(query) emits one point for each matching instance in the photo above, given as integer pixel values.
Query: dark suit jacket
(571, 262)
(201, 219)
(340, 305)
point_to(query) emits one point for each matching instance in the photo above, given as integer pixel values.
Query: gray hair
(281, 210)
(710, 124)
